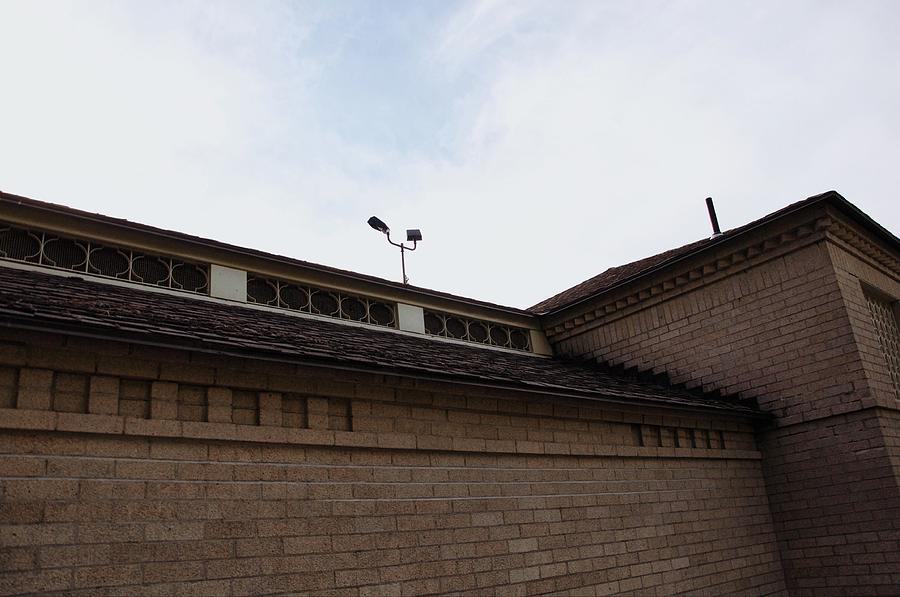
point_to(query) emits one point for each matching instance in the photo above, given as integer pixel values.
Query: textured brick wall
(834, 497)
(854, 274)
(792, 332)
(132, 471)
(890, 429)
(777, 332)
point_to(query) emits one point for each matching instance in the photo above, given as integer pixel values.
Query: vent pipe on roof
(712, 217)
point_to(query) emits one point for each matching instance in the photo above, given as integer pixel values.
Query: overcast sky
(534, 143)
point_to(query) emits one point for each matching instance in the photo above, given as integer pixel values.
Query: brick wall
(833, 494)
(855, 273)
(777, 332)
(788, 327)
(135, 471)
(890, 430)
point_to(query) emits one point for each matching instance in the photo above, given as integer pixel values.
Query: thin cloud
(534, 144)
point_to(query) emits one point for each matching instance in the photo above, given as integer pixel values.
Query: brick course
(384, 486)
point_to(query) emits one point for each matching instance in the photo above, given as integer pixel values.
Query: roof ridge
(621, 274)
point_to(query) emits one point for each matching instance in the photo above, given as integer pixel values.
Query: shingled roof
(613, 276)
(70, 304)
(622, 274)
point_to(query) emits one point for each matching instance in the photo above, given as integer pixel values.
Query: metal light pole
(413, 235)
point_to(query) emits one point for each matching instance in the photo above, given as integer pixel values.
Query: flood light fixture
(379, 225)
(413, 235)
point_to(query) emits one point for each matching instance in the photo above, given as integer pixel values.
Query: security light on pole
(413, 235)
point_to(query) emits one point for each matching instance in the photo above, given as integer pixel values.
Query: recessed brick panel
(293, 411)
(245, 407)
(134, 398)
(191, 403)
(9, 377)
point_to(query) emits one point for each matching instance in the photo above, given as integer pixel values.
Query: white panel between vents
(227, 283)
(411, 318)
(539, 343)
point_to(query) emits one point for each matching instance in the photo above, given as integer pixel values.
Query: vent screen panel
(884, 318)
(44, 248)
(19, 244)
(319, 301)
(188, 276)
(477, 331)
(106, 261)
(121, 263)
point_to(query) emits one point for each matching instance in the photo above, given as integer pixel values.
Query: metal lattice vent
(884, 319)
(319, 301)
(50, 250)
(476, 330)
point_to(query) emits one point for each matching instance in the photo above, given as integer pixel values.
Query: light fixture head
(379, 225)
(414, 235)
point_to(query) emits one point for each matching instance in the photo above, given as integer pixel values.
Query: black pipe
(712, 216)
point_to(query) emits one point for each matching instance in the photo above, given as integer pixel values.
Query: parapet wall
(128, 470)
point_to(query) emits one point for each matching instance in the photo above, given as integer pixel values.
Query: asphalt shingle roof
(613, 276)
(37, 300)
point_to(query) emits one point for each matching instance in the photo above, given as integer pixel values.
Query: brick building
(184, 417)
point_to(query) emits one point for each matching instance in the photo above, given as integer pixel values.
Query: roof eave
(162, 340)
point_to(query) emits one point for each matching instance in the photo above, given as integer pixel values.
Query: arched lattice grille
(476, 330)
(44, 248)
(319, 301)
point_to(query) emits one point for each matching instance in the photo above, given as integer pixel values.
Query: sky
(534, 143)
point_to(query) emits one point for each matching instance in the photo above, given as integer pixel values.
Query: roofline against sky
(122, 223)
(829, 196)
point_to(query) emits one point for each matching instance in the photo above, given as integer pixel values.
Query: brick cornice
(848, 235)
(655, 289)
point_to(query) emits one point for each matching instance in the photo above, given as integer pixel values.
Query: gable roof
(66, 303)
(616, 276)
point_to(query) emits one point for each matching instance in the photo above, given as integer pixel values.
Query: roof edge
(388, 285)
(177, 343)
(831, 196)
